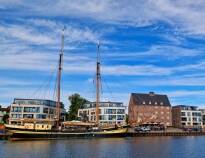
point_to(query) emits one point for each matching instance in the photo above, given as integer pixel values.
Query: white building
(1, 116)
(203, 116)
(33, 109)
(109, 112)
(186, 116)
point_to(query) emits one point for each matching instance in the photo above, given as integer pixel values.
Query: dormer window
(150, 102)
(143, 102)
(161, 103)
(155, 103)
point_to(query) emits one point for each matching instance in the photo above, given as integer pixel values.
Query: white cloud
(171, 52)
(185, 16)
(25, 34)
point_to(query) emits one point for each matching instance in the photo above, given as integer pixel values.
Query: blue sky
(147, 45)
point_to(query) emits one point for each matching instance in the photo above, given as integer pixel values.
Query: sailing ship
(54, 128)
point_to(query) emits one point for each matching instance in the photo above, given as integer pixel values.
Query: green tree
(5, 118)
(76, 102)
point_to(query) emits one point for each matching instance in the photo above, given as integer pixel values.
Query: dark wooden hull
(32, 135)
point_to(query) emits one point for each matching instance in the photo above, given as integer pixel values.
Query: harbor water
(138, 147)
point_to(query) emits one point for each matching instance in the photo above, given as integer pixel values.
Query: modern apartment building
(33, 109)
(109, 112)
(203, 117)
(151, 108)
(184, 116)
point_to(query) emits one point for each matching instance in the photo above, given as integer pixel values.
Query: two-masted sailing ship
(43, 128)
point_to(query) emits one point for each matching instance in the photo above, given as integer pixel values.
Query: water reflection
(140, 147)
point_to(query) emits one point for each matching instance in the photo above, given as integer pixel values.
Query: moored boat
(54, 128)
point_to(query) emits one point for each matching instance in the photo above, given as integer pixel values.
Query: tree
(76, 102)
(5, 118)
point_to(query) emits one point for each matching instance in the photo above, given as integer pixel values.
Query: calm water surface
(147, 147)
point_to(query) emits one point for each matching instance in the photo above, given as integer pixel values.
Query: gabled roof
(151, 99)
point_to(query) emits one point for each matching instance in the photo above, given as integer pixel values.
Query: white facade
(203, 117)
(109, 113)
(1, 116)
(191, 117)
(33, 109)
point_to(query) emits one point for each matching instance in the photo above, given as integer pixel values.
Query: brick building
(149, 108)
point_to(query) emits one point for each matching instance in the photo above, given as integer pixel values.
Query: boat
(54, 128)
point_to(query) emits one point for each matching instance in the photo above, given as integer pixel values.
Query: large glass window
(120, 117)
(120, 111)
(196, 113)
(41, 116)
(16, 109)
(112, 117)
(184, 119)
(183, 113)
(32, 109)
(28, 116)
(110, 111)
(45, 110)
(103, 117)
(16, 115)
(51, 111)
(194, 119)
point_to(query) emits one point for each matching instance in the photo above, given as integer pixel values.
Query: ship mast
(59, 79)
(98, 77)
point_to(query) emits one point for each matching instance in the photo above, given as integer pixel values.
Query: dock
(152, 134)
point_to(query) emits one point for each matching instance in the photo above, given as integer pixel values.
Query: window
(120, 117)
(184, 119)
(196, 113)
(28, 116)
(16, 116)
(112, 117)
(194, 119)
(41, 116)
(16, 109)
(150, 102)
(110, 111)
(183, 114)
(51, 111)
(143, 102)
(161, 103)
(45, 110)
(32, 109)
(120, 111)
(103, 117)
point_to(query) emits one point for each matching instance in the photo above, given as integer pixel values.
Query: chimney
(151, 94)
